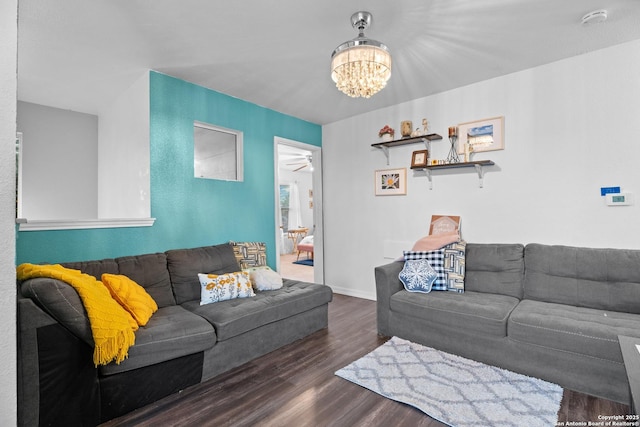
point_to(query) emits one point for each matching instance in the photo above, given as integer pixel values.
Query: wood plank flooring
(296, 386)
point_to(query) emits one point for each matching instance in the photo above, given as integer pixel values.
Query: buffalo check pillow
(448, 263)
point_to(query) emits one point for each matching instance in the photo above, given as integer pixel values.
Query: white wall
(82, 166)
(59, 162)
(8, 88)
(571, 127)
(123, 154)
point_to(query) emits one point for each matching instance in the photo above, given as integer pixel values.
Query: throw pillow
(222, 287)
(449, 264)
(454, 265)
(433, 242)
(418, 276)
(264, 278)
(250, 254)
(436, 261)
(130, 295)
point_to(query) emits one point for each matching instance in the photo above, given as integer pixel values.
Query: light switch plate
(619, 199)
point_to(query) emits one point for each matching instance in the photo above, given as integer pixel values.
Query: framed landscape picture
(391, 182)
(482, 135)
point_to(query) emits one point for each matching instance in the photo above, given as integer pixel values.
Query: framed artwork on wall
(482, 135)
(391, 182)
(419, 159)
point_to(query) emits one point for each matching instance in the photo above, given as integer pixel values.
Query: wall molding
(79, 224)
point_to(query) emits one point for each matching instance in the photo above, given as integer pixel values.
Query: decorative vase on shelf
(405, 128)
(386, 133)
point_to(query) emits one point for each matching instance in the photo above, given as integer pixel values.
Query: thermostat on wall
(619, 199)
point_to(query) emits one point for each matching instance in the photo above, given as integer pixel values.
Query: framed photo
(419, 159)
(482, 135)
(391, 182)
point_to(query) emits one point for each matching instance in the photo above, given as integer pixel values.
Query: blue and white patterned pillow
(436, 261)
(449, 264)
(418, 276)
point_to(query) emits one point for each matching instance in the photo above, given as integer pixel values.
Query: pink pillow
(431, 243)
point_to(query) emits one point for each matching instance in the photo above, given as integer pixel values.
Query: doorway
(298, 189)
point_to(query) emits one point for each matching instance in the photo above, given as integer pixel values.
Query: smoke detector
(595, 17)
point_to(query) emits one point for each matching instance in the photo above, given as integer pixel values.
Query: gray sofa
(551, 312)
(183, 344)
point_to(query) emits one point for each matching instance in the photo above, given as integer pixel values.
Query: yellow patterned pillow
(133, 297)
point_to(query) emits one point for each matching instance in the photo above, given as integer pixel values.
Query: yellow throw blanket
(110, 323)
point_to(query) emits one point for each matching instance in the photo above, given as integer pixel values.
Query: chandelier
(361, 67)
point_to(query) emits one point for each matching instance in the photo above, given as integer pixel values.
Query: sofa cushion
(607, 279)
(171, 332)
(185, 264)
(495, 268)
(149, 271)
(95, 268)
(475, 312)
(234, 317)
(580, 330)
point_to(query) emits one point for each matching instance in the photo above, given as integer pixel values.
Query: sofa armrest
(387, 284)
(57, 380)
(30, 318)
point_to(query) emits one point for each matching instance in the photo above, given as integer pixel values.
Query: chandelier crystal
(361, 67)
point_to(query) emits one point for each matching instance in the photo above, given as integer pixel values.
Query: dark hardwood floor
(296, 386)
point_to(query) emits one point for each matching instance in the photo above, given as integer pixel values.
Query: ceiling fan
(304, 164)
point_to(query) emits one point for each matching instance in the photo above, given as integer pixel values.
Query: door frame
(318, 234)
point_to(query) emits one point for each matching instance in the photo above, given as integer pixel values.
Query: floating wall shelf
(384, 146)
(479, 166)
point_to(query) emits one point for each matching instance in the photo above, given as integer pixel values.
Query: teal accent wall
(189, 212)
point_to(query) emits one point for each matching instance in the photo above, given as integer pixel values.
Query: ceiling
(294, 159)
(78, 54)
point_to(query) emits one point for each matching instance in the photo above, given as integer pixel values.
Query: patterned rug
(304, 262)
(454, 390)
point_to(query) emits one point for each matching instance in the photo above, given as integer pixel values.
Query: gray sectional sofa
(183, 344)
(551, 312)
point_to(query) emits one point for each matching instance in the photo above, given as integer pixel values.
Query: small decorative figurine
(425, 125)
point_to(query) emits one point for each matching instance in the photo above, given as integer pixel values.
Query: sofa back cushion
(607, 279)
(149, 271)
(95, 268)
(185, 264)
(495, 268)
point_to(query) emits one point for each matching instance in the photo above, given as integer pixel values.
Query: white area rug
(454, 390)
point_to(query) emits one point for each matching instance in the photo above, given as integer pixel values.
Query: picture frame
(482, 135)
(390, 182)
(441, 224)
(419, 159)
